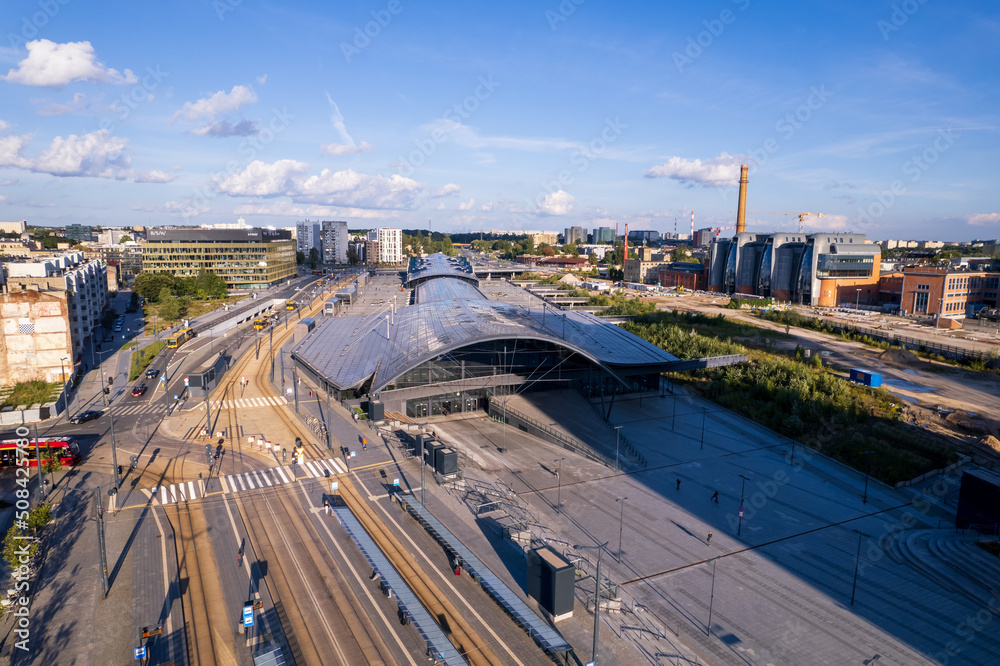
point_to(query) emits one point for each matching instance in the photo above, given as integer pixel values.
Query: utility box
(376, 411)
(979, 500)
(446, 462)
(866, 377)
(550, 582)
(430, 451)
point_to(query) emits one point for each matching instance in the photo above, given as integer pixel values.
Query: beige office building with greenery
(244, 258)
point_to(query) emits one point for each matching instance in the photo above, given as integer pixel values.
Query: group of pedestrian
(715, 498)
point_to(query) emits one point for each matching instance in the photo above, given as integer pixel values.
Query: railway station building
(453, 346)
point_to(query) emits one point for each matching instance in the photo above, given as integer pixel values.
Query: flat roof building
(251, 258)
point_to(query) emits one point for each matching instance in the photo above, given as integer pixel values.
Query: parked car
(88, 415)
(138, 390)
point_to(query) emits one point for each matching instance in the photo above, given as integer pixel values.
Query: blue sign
(140, 652)
(248, 616)
(395, 482)
(354, 453)
(335, 485)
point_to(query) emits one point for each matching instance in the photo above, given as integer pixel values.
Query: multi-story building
(388, 248)
(703, 237)
(334, 242)
(643, 236)
(128, 256)
(950, 292)
(18, 248)
(645, 266)
(251, 258)
(573, 235)
(687, 274)
(539, 237)
(13, 227)
(111, 236)
(49, 309)
(603, 235)
(819, 269)
(79, 232)
(308, 236)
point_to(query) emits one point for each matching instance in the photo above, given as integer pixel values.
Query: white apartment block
(13, 227)
(390, 246)
(49, 309)
(112, 236)
(334, 242)
(308, 236)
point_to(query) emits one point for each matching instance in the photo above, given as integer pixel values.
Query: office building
(49, 310)
(127, 256)
(952, 292)
(819, 269)
(574, 235)
(603, 236)
(643, 236)
(13, 227)
(334, 242)
(251, 258)
(79, 232)
(644, 267)
(112, 236)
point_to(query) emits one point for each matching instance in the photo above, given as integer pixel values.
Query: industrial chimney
(741, 213)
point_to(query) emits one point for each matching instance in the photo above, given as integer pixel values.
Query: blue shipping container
(866, 377)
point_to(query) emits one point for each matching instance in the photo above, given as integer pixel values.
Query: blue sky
(521, 115)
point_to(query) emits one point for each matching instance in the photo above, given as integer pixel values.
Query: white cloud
(55, 65)
(465, 135)
(446, 191)
(984, 218)
(262, 79)
(441, 206)
(825, 223)
(559, 202)
(346, 145)
(332, 188)
(3, 198)
(341, 149)
(489, 206)
(4, 126)
(97, 155)
(80, 103)
(154, 176)
(467, 205)
(721, 171)
(226, 128)
(218, 104)
(289, 209)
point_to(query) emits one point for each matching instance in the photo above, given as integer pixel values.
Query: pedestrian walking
(710, 538)
(678, 484)
(239, 557)
(716, 497)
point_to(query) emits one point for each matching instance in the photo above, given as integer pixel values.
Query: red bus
(67, 450)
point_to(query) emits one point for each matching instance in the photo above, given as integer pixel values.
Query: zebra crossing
(252, 480)
(138, 408)
(251, 403)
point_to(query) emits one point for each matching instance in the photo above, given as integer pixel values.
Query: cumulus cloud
(4, 126)
(348, 188)
(288, 209)
(346, 145)
(226, 128)
(721, 171)
(262, 79)
(467, 205)
(154, 176)
(559, 202)
(215, 105)
(446, 191)
(984, 219)
(97, 155)
(55, 65)
(79, 103)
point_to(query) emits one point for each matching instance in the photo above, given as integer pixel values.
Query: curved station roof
(451, 313)
(422, 269)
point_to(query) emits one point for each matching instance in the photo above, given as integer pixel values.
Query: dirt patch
(970, 423)
(991, 442)
(903, 357)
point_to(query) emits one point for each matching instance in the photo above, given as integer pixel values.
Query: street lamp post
(739, 528)
(868, 469)
(621, 525)
(618, 441)
(559, 491)
(597, 597)
(62, 369)
(857, 301)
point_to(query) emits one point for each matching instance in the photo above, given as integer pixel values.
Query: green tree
(50, 242)
(151, 285)
(13, 542)
(682, 253)
(592, 258)
(352, 256)
(313, 258)
(125, 239)
(39, 517)
(300, 257)
(209, 285)
(108, 319)
(169, 304)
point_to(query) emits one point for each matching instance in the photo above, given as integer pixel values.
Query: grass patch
(188, 310)
(140, 362)
(30, 393)
(850, 423)
(130, 345)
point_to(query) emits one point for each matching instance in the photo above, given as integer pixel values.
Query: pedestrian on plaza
(678, 484)
(239, 557)
(709, 537)
(716, 496)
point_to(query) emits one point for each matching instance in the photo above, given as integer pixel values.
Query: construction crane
(718, 229)
(800, 213)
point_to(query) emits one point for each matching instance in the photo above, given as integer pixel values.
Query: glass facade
(242, 264)
(844, 266)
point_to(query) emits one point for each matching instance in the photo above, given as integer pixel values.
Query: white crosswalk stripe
(281, 473)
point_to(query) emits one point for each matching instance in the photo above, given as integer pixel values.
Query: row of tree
(153, 286)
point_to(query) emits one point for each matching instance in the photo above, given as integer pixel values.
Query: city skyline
(516, 117)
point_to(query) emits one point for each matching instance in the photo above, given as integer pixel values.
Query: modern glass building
(454, 347)
(244, 258)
